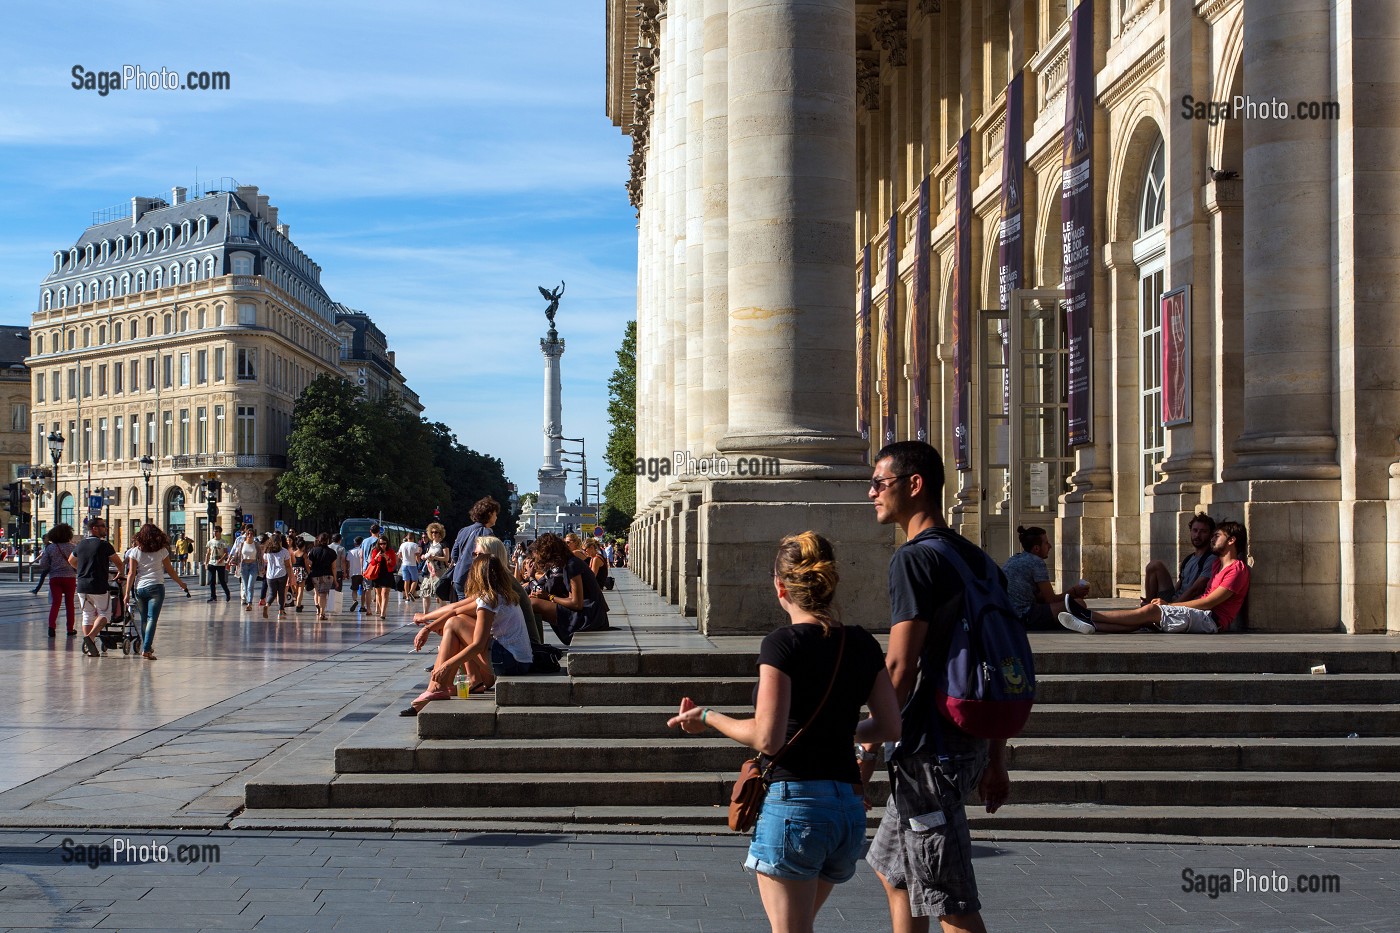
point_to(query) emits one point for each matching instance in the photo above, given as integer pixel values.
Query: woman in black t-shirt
(320, 563)
(568, 597)
(811, 829)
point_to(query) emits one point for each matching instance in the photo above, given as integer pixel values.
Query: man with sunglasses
(91, 559)
(922, 851)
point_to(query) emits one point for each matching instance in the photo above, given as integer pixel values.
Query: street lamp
(56, 452)
(146, 464)
(583, 460)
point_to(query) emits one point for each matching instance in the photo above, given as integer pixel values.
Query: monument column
(1284, 482)
(794, 460)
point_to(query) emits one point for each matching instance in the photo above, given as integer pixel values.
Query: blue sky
(439, 161)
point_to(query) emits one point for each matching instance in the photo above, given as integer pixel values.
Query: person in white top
(147, 566)
(438, 564)
(355, 567)
(409, 554)
(277, 559)
(245, 556)
(489, 637)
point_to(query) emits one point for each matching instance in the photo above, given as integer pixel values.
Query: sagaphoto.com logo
(136, 78)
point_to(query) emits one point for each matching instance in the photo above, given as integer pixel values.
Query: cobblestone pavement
(403, 881)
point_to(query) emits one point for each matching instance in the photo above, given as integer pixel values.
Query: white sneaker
(1076, 625)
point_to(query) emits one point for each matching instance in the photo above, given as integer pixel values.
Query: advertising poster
(1010, 243)
(863, 348)
(962, 309)
(1176, 357)
(918, 325)
(1077, 219)
(888, 361)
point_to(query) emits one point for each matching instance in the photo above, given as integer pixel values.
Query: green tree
(327, 473)
(620, 494)
(469, 476)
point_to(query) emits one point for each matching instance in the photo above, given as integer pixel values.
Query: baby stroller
(121, 630)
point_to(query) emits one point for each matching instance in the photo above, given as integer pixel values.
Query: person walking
(436, 563)
(355, 567)
(321, 561)
(246, 554)
(379, 576)
(410, 553)
(92, 559)
(276, 562)
(148, 563)
(38, 554)
(483, 515)
(216, 564)
(922, 851)
(296, 580)
(63, 579)
(814, 676)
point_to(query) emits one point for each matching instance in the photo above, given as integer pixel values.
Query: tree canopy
(620, 494)
(348, 455)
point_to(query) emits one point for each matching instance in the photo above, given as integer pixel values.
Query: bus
(353, 528)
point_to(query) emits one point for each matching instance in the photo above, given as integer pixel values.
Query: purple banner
(962, 310)
(863, 347)
(1077, 219)
(1010, 243)
(888, 360)
(918, 319)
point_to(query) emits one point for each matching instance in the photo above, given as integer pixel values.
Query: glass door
(1040, 460)
(993, 336)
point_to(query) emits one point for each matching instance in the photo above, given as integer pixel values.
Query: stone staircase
(1194, 736)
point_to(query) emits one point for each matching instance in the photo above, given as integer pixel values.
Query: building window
(72, 383)
(201, 318)
(246, 438)
(247, 362)
(167, 371)
(19, 417)
(184, 369)
(87, 382)
(167, 423)
(140, 281)
(87, 439)
(72, 446)
(247, 314)
(102, 380)
(167, 322)
(155, 278)
(201, 428)
(219, 364)
(135, 375)
(117, 447)
(48, 298)
(101, 438)
(219, 316)
(1149, 253)
(184, 321)
(63, 296)
(184, 447)
(57, 394)
(150, 373)
(209, 267)
(242, 265)
(218, 429)
(87, 336)
(240, 224)
(117, 332)
(191, 271)
(150, 433)
(201, 366)
(39, 384)
(135, 436)
(118, 378)
(151, 326)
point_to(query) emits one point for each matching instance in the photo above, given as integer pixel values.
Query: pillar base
(741, 522)
(1084, 543)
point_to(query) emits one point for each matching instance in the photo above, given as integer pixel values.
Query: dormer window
(209, 267)
(191, 269)
(203, 227)
(174, 273)
(107, 287)
(73, 258)
(48, 303)
(57, 261)
(63, 296)
(87, 255)
(102, 257)
(141, 281)
(121, 246)
(126, 283)
(185, 232)
(240, 225)
(169, 236)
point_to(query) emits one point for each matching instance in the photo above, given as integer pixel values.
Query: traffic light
(14, 493)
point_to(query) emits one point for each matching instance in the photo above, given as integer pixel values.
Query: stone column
(715, 179)
(791, 128)
(791, 132)
(1284, 482)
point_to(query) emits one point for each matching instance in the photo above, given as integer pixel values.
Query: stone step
(466, 719)
(389, 754)
(1239, 825)
(1054, 654)
(1243, 689)
(1206, 790)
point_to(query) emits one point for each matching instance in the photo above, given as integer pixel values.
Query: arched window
(72, 257)
(101, 334)
(209, 267)
(107, 288)
(184, 321)
(39, 345)
(203, 226)
(87, 336)
(121, 246)
(155, 278)
(57, 260)
(117, 332)
(174, 273)
(126, 283)
(65, 508)
(92, 293)
(167, 323)
(141, 280)
(185, 232)
(191, 270)
(48, 298)
(1149, 253)
(169, 235)
(201, 318)
(72, 340)
(63, 296)
(151, 326)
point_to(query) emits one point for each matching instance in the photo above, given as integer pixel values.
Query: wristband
(704, 716)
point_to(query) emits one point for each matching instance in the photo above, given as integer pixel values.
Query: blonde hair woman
(437, 561)
(489, 544)
(815, 783)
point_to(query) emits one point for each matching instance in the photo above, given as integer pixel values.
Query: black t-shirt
(925, 586)
(322, 561)
(94, 564)
(824, 753)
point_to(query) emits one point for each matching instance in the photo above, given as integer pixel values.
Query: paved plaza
(123, 752)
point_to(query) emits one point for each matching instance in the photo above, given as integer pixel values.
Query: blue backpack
(987, 686)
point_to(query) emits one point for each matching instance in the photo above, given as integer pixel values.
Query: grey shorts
(924, 844)
(1183, 620)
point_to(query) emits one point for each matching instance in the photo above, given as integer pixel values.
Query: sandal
(149, 655)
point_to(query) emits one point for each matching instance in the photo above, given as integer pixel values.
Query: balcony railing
(228, 461)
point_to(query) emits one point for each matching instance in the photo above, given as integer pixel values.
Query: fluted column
(694, 227)
(792, 142)
(1289, 313)
(715, 179)
(677, 66)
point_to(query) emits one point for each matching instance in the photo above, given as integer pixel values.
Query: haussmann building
(183, 331)
(1119, 260)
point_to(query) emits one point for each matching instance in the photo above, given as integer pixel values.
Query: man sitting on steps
(1211, 613)
(1196, 568)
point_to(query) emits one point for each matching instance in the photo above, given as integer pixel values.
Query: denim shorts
(809, 829)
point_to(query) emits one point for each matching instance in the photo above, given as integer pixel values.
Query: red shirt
(1234, 578)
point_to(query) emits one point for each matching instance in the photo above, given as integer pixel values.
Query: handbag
(746, 799)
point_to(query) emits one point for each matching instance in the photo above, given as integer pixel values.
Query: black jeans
(218, 576)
